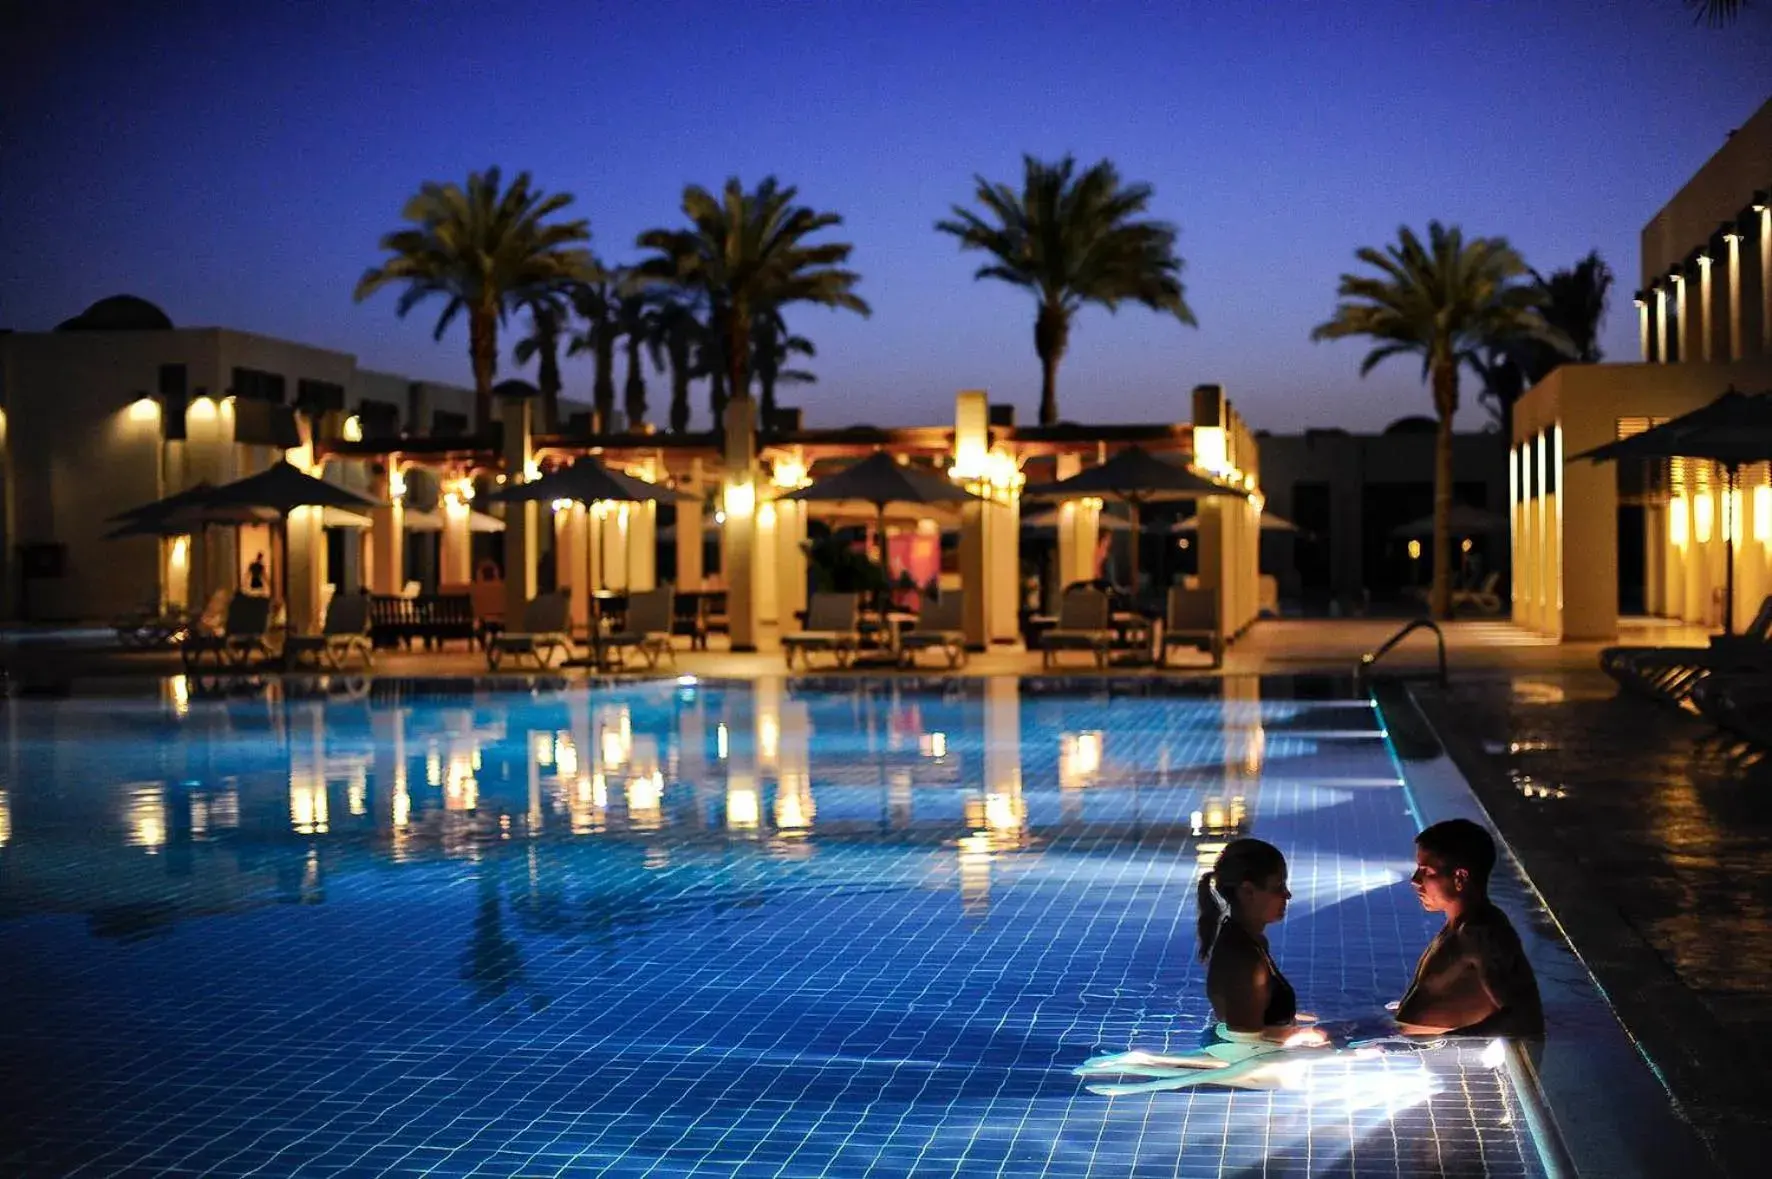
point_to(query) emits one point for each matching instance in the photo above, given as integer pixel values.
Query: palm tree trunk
(636, 389)
(766, 398)
(1051, 331)
(548, 378)
(738, 352)
(679, 390)
(1445, 379)
(603, 386)
(483, 353)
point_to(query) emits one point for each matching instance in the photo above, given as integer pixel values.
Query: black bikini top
(1282, 1000)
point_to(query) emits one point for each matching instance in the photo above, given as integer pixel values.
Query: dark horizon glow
(237, 165)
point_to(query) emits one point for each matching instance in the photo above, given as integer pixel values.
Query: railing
(1371, 658)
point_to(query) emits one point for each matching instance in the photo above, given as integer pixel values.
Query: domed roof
(119, 313)
(1415, 424)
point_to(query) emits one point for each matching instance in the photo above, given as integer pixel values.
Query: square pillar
(306, 554)
(1661, 311)
(517, 411)
(571, 567)
(740, 501)
(689, 539)
(1732, 295)
(387, 533)
(790, 559)
(455, 564)
(1586, 516)
(1704, 322)
(1765, 277)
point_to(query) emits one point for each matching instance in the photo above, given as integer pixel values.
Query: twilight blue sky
(236, 163)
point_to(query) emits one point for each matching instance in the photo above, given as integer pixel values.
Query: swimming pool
(851, 927)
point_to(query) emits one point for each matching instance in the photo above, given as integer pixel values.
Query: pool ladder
(1371, 658)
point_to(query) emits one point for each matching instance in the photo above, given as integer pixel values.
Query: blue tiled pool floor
(722, 930)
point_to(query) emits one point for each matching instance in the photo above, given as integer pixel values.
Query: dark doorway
(1633, 560)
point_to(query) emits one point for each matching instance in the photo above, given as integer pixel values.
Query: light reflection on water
(987, 879)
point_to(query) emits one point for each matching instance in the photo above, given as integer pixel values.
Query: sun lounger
(1738, 702)
(1190, 619)
(544, 633)
(1670, 674)
(151, 627)
(938, 628)
(345, 631)
(1082, 626)
(241, 637)
(830, 626)
(647, 628)
(1483, 598)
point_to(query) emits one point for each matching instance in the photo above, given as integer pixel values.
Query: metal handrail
(1370, 658)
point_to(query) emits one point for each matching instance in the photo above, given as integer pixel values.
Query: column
(1765, 212)
(1732, 260)
(643, 545)
(571, 565)
(740, 496)
(1685, 346)
(1587, 509)
(1661, 322)
(1645, 340)
(689, 537)
(1704, 320)
(305, 551)
(517, 410)
(790, 560)
(971, 445)
(387, 533)
(454, 552)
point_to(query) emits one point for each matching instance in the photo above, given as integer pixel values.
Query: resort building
(1657, 536)
(1351, 497)
(118, 408)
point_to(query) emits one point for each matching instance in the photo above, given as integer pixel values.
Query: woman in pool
(1240, 897)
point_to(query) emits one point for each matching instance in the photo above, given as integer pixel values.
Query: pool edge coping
(1574, 1144)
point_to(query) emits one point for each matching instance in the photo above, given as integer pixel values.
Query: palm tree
(773, 348)
(483, 248)
(710, 362)
(1573, 302)
(1443, 301)
(547, 326)
(673, 349)
(596, 304)
(1072, 240)
(637, 321)
(1715, 13)
(747, 250)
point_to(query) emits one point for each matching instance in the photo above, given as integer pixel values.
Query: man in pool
(1473, 979)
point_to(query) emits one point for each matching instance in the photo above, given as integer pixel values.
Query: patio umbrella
(880, 480)
(1464, 521)
(279, 490)
(432, 521)
(1047, 521)
(587, 481)
(1135, 477)
(1733, 430)
(1269, 523)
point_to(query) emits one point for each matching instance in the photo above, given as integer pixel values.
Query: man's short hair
(1460, 843)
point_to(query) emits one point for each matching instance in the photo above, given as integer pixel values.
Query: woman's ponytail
(1211, 914)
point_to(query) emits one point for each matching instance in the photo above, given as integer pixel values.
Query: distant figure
(1239, 898)
(255, 576)
(1473, 979)
(1104, 559)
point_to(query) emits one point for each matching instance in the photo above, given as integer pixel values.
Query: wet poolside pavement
(1650, 837)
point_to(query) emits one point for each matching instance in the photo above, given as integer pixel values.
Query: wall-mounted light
(561, 505)
(789, 473)
(396, 484)
(1677, 279)
(1704, 261)
(202, 409)
(1415, 550)
(1464, 546)
(144, 409)
(1731, 236)
(353, 429)
(741, 499)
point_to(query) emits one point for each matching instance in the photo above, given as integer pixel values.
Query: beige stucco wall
(1565, 546)
(1716, 192)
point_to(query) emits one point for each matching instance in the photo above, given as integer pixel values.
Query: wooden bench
(432, 618)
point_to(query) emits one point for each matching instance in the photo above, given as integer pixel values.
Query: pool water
(857, 927)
